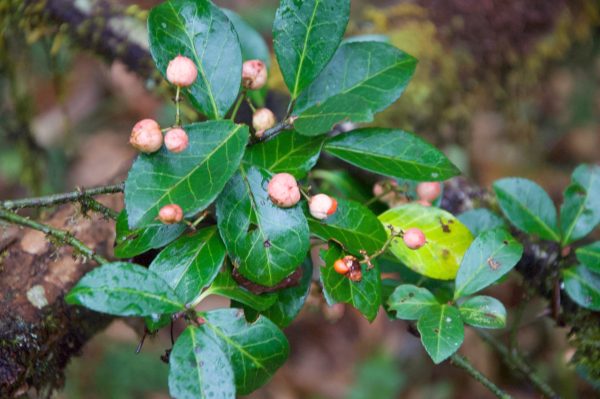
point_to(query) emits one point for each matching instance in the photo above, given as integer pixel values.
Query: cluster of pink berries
(284, 192)
(254, 77)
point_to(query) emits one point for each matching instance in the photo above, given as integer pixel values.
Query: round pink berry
(254, 74)
(170, 214)
(146, 136)
(262, 120)
(181, 71)
(321, 206)
(176, 140)
(429, 191)
(414, 238)
(283, 190)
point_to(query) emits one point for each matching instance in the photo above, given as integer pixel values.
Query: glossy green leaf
(124, 289)
(256, 350)
(130, 243)
(340, 183)
(363, 78)
(191, 263)
(265, 242)
(353, 226)
(447, 240)
(589, 256)
(199, 368)
(192, 179)
(200, 31)
(480, 220)
(493, 254)
(483, 312)
(392, 152)
(442, 331)
(364, 295)
(290, 300)
(528, 207)
(583, 286)
(225, 285)
(306, 35)
(580, 211)
(287, 152)
(410, 302)
(253, 47)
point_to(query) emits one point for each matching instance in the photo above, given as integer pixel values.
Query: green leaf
(353, 226)
(191, 179)
(256, 350)
(191, 263)
(266, 243)
(493, 254)
(156, 321)
(392, 152)
(362, 79)
(254, 47)
(580, 211)
(442, 331)
(528, 207)
(583, 286)
(287, 152)
(199, 368)
(447, 240)
(480, 220)
(225, 285)
(364, 295)
(290, 300)
(200, 31)
(589, 256)
(483, 312)
(410, 302)
(124, 289)
(340, 183)
(305, 37)
(130, 243)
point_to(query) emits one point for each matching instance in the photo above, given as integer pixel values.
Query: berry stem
(393, 235)
(252, 107)
(177, 101)
(64, 237)
(240, 98)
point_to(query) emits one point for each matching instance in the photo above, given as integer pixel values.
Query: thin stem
(240, 98)
(63, 198)
(515, 361)
(92, 204)
(252, 107)
(463, 363)
(61, 236)
(274, 131)
(177, 107)
(393, 235)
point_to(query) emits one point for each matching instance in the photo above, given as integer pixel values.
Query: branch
(60, 235)
(274, 131)
(515, 361)
(464, 364)
(78, 195)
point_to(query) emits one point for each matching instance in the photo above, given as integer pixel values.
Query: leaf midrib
(303, 55)
(108, 290)
(192, 171)
(526, 210)
(567, 236)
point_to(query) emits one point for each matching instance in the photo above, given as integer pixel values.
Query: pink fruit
(322, 206)
(181, 71)
(170, 214)
(429, 191)
(176, 140)
(254, 74)
(283, 190)
(262, 120)
(414, 238)
(146, 136)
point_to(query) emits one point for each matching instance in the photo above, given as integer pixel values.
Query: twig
(63, 198)
(515, 361)
(274, 131)
(92, 204)
(464, 364)
(62, 236)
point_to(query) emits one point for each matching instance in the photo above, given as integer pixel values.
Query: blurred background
(504, 87)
